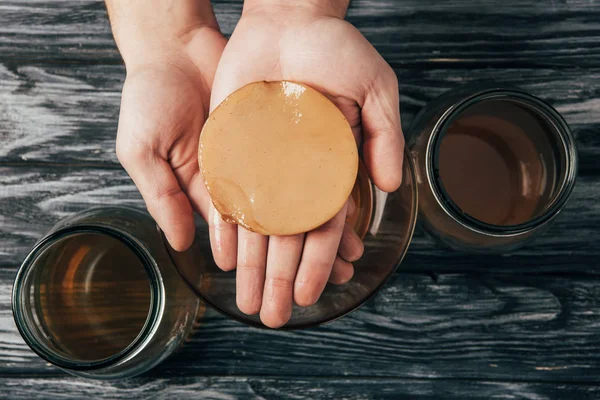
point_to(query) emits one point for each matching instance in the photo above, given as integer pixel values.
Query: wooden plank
(73, 30)
(33, 199)
(460, 326)
(407, 32)
(61, 113)
(457, 326)
(220, 388)
(69, 114)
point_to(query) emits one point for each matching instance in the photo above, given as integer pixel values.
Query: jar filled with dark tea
(494, 166)
(100, 297)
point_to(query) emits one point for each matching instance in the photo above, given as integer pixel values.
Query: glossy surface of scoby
(278, 158)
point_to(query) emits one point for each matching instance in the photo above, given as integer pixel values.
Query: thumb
(161, 191)
(383, 145)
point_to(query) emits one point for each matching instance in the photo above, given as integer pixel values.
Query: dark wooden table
(447, 325)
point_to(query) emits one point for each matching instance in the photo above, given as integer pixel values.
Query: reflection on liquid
(93, 296)
(493, 163)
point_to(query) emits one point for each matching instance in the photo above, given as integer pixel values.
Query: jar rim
(550, 116)
(155, 309)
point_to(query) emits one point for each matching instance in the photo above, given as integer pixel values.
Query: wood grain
(459, 326)
(407, 32)
(283, 388)
(448, 325)
(69, 113)
(32, 199)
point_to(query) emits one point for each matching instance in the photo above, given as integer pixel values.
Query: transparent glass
(494, 167)
(99, 295)
(386, 221)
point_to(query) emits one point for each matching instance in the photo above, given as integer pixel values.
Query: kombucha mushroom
(278, 158)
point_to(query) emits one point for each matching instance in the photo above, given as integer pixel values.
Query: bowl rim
(325, 320)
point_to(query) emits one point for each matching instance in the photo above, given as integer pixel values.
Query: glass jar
(100, 297)
(493, 166)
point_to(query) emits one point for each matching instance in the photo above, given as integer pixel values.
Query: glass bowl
(386, 221)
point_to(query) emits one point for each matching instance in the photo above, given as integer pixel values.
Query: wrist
(317, 8)
(157, 30)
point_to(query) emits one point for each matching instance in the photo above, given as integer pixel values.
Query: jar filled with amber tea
(494, 167)
(100, 297)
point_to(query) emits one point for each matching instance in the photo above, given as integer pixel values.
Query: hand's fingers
(383, 139)
(320, 250)
(159, 187)
(199, 197)
(282, 264)
(251, 265)
(341, 272)
(223, 240)
(351, 247)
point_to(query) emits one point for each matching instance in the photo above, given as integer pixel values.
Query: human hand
(306, 42)
(171, 50)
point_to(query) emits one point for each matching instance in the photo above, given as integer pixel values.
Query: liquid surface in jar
(93, 296)
(278, 158)
(496, 163)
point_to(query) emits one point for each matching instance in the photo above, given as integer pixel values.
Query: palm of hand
(261, 49)
(163, 107)
(333, 57)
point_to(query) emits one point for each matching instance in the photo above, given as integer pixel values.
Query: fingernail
(353, 247)
(359, 246)
(347, 278)
(304, 295)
